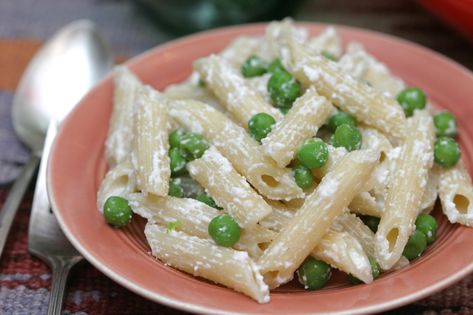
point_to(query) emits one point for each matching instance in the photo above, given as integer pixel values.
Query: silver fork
(45, 238)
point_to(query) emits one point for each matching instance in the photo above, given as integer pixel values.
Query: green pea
(175, 188)
(284, 110)
(117, 211)
(445, 124)
(313, 274)
(313, 153)
(375, 272)
(283, 89)
(195, 144)
(427, 225)
(446, 151)
(347, 136)
(201, 83)
(410, 99)
(339, 119)
(177, 161)
(371, 222)
(209, 201)
(176, 137)
(224, 230)
(276, 66)
(416, 245)
(303, 176)
(260, 125)
(253, 66)
(328, 55)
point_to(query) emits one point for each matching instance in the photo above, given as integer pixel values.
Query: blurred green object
(186, 16)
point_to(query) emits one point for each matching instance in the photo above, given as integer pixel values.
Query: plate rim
(191, 307)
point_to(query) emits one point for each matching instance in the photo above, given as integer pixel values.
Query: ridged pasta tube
(405, 189)
(308, 113)
(367, 105)
(150, 147)
(305, 230)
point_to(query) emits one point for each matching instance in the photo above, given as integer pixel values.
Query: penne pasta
(431, 191)
(193, 217)
(309, 112)
(364, 203)
(343, 251)
(327, 41)
(364, 67)
(368, 106)
(337, 248)
(241, 101)
(229, 189)
(278, 31)
(238, 147)
(150, 148)
(405, 189)
(240, 48)
(202, 258)
(119, 181)
(313, 220)
(355, 227)
(456, 194)
(120, 131)
(190, 89)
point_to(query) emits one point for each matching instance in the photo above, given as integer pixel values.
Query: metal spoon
(65, 68)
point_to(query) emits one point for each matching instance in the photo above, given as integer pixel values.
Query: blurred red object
(457, 13)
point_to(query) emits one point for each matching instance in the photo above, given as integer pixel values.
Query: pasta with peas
(283, 157)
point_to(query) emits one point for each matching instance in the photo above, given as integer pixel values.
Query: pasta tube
(241, 101)
(193, 217)
(431, 190)
(190, 89)
(367, 105)
(456, 194)
(150, 150)
(235, 144)
(406, 187)
(354, 226)
(240, 48)
(120, 131)
(229, 189)
(338, 248)
(119, 181)
(364, 203)
(327, 41)
(309, 112)
(344, 252)
(361, 65)
(201, 257)
(304, 232)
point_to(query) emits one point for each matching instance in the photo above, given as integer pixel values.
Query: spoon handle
(7, 214)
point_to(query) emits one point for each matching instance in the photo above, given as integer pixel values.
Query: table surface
(25, 24)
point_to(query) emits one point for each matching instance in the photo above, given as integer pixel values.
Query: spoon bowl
(65, 68)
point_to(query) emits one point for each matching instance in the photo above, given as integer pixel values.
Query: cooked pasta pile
(283, 155)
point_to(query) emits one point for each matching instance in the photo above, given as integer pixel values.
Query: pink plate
(77, 166)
